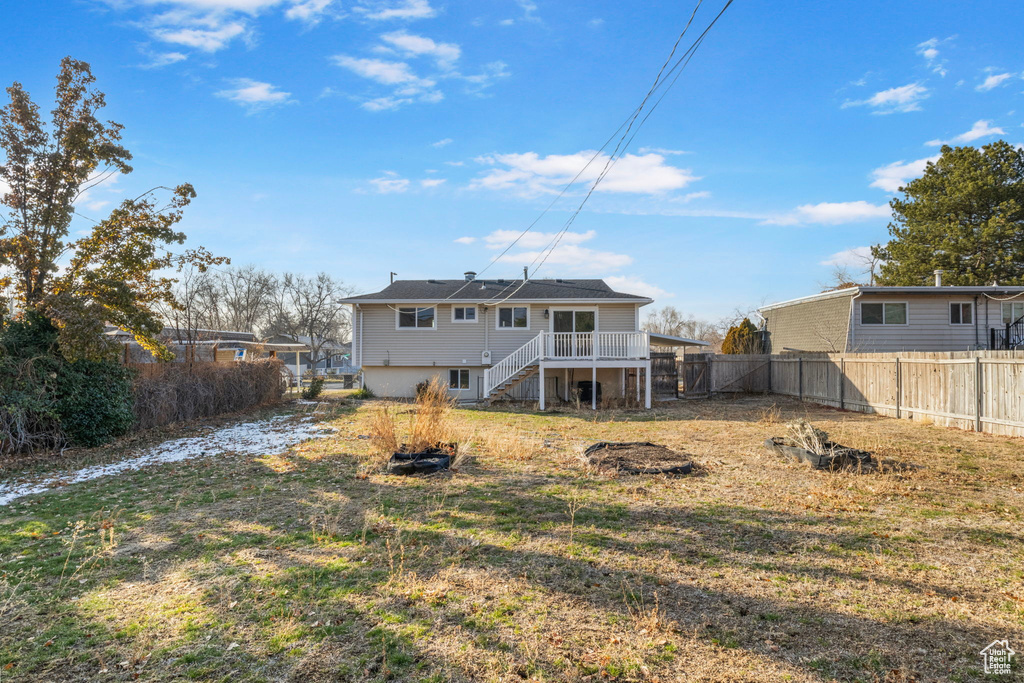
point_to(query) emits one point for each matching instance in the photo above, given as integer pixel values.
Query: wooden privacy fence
(983, 391)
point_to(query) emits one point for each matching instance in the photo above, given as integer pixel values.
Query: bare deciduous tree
(306, 310)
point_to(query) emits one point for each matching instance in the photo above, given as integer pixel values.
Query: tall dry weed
(431, 421)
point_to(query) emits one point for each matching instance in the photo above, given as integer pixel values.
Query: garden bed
(637, 457)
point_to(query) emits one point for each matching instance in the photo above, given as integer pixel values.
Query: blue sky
(361, 137)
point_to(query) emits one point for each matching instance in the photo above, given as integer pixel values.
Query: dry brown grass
(431, 421)
(535, 567)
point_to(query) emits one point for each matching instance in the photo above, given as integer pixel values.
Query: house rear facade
(486, 337)
(889, 319)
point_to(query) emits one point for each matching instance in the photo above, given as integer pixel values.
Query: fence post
(842, 382)
(899, 387)
(977, 393)
(800, 378)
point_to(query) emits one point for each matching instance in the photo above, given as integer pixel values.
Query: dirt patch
(637, 457)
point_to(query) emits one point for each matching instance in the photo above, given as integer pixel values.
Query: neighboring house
(188, 344)
(336, 357)
(486, 337)
(886, 319)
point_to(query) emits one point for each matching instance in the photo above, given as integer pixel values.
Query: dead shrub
(180, 392)
(431, 424)
(770, 416)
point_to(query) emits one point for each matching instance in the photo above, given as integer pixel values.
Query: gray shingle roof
(484, 290)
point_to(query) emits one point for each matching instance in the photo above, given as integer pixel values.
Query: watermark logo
(998, 657)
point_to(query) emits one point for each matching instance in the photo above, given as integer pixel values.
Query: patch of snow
(247, 438)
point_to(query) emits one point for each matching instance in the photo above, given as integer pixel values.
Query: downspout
(360, 309)
(977, 343)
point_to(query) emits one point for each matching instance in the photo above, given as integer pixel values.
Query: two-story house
(485, 337)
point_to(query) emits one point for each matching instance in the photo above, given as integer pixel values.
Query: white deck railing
(511, 365)
(568, 346)
(596, 345)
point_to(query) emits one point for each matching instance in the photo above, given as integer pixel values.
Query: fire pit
(637, 457)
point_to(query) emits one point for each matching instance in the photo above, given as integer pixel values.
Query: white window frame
(1009, 304)
(476, 315)
(398, 313)
(883, 323)
(961, 304)
(460, 387)
(513, 328)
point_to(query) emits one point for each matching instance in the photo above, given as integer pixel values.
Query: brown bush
(179, 392)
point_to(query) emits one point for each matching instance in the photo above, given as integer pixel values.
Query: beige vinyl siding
(455, 344)
(928, 327)
(820, 325)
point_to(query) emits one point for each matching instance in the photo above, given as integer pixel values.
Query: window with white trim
(410, 317)
(1012, 311)
(463, 314)
(961, 313)
(458, 378)
(514, 317)
(883, 313)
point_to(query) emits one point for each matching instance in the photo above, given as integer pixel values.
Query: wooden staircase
(512, 382)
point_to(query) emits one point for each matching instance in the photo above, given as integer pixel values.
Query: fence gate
(693, 376)
(664, 375)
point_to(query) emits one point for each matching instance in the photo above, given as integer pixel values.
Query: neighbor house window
(961, 314)
(1012, 311)
(514, 316)
(464, 314)
(416, 318)
(883, 314)
(458, 378)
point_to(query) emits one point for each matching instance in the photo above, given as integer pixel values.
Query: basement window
(883, 313)
(458, 378)
(961, 313)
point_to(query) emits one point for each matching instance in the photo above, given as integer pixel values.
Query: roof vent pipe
(470, 276)
(938, 278)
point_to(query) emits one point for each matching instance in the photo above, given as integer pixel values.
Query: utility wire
(623, 145)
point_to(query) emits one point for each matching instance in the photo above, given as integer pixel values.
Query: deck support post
(541, 391)
(647, 386)
(593, 389)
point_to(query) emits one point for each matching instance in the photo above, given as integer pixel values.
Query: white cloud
(631, 284)
(442, 143)
(490, 73)
(408, 87)
(695, 195)
(905, 98)
(993, 81)
(569, 255)
(445, 54)
(980, 129)
(99, 183)
(212, 25)
(499, 239)
(164, 59)
(403, 9)
(432, 182)
(464, 240)
(929, 49)
(531, 174)
(661, 150)
(254, 95)
(832, 213)
(309, 11)
(856, 257)
(390, 183)
(595, 23)
(892, 177)
(206, 40)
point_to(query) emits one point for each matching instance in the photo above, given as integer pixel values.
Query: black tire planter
(836, 457)
(685, 468)
(431, 460)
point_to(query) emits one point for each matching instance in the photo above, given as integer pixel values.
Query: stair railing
(510, 366)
